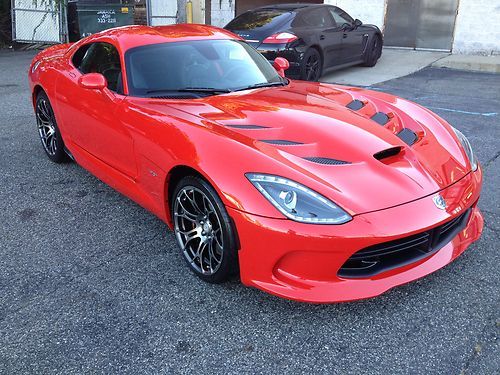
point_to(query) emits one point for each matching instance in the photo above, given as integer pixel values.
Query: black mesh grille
(380, 118)
(393, 254)
(407, 136)
(355, 105)
(327, 161)
(255, 127)
(281, 142)
(176, 96)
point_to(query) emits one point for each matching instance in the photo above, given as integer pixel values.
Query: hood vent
(280, 142)
(380, 118)
(252, 127)
(355, 105)
(179, 96)
(408, 136)
(326, 161)
(393, 151)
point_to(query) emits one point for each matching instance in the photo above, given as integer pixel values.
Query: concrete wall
(477, 27)
(223, 11)
(368, 11)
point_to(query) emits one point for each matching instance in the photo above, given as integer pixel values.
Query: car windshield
(206, 66)
(259, 19)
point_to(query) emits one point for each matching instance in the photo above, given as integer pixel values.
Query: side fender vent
(280, 142)
(355, 105)
(393, 151)
(408, 136)
(326, 161)
(253, 127)
(380, 118)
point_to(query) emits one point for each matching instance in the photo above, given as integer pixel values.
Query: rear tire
(49, 133)
(204, 230)
(311, 67)
(373, 51)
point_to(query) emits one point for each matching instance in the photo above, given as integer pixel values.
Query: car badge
(439, 202)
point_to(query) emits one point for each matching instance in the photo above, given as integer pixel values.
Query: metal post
(148, 12)
(13, 18)
(189, 11)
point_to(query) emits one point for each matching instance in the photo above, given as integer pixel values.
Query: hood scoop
(387, 153)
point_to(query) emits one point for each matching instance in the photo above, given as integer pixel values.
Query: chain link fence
(38, 22)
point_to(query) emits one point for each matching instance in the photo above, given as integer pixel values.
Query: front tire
(373, 51)
(311, 67)
(49, 133)
(204, 230)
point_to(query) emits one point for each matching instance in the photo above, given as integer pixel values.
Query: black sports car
(313, 38)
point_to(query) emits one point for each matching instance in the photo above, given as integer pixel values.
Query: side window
(318, 17)
(340, 17)
(79, 55)
(101, 58)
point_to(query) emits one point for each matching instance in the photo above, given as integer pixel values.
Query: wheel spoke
(46, 126)
(185, 210)
(198, 230)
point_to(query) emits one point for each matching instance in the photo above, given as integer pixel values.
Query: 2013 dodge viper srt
(310, 191)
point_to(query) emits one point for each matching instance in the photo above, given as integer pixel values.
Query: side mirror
(357, 23)
(281, 64)
(93, 81)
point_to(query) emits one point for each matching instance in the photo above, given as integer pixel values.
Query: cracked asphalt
(92, 283)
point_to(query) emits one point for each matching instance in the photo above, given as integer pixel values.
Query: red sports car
(311, 191)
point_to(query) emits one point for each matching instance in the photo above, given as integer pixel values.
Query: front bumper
(301, 261)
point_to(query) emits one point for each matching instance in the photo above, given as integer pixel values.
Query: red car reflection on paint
(311, 191)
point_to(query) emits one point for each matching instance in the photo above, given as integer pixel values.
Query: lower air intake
(393, 254)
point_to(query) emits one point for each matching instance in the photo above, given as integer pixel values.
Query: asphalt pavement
(92, 283)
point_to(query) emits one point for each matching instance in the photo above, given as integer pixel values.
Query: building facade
(459, 26)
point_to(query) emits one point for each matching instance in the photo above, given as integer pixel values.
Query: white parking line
(488, 114)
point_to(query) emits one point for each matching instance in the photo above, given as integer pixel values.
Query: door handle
(321, 37)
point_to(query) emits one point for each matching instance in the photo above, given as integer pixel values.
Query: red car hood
(302, 120)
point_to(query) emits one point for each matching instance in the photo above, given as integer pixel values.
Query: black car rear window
(259, 19)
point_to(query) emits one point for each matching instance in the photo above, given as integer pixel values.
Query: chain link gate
(38, 22)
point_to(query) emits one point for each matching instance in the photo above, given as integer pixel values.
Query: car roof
(128, 37)
(290, 6)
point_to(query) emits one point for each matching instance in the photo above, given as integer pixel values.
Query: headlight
(467, 147)
(298, 202)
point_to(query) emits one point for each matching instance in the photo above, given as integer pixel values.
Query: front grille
(393, 254)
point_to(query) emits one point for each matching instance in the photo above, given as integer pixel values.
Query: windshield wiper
(262, 84)
(209, 90)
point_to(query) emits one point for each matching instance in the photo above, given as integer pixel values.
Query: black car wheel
(204, 230)
(373, 51)
(312, 65)
(48, 131)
